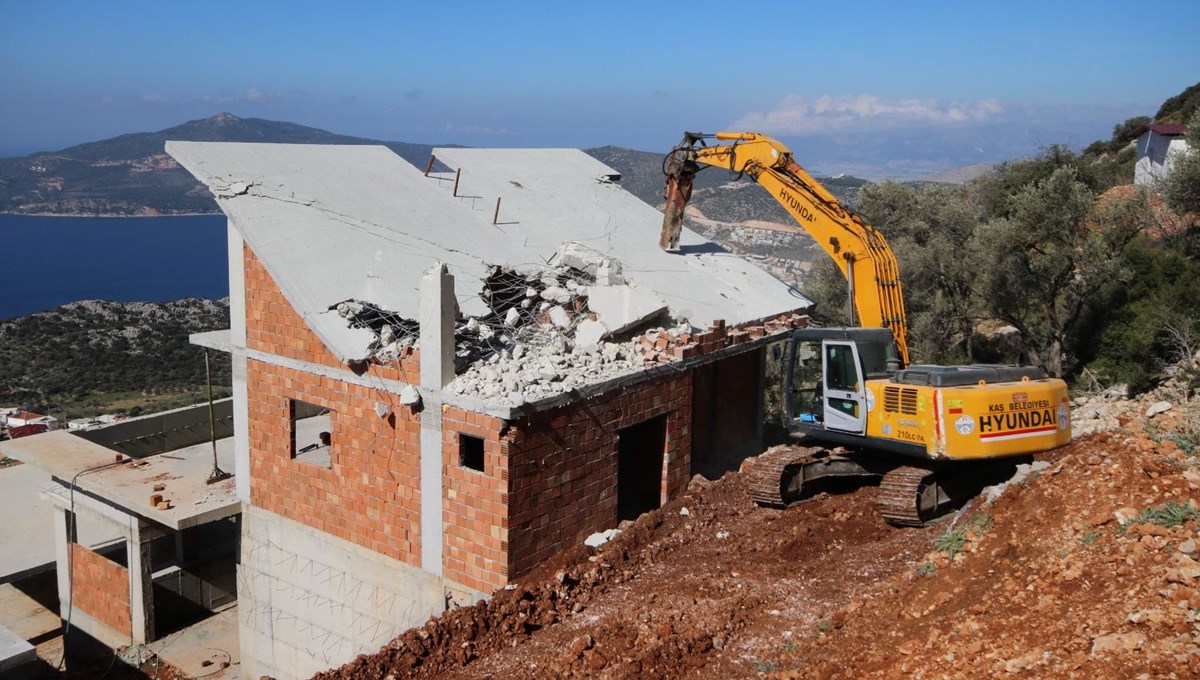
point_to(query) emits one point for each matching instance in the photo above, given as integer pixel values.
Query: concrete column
(438, 312)
(439, 308)
(63, 531)
(141, 596)
(237, 332)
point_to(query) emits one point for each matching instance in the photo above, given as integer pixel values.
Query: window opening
(311, 433)
(470, 452)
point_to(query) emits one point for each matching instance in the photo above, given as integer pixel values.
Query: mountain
(132, 175)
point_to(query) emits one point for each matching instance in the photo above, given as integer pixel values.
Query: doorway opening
(641, 453)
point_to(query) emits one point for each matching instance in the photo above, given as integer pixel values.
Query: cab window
(842, 374)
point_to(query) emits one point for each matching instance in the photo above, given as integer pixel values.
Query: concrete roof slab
(335, 223)
(130, 484)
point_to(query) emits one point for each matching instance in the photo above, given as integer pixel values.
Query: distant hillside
(1181, 107)
(94, 356)
(132, 175)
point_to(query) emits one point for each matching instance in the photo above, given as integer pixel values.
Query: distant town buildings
(17, 423)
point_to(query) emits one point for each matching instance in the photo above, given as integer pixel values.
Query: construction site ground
(1087, 568)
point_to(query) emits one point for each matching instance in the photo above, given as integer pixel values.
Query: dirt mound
(1085, 568)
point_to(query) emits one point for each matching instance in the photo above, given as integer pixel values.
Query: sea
(50, 261)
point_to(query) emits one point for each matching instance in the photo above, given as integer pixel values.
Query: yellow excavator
(931, 435)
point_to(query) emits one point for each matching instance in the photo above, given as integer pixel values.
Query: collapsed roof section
(359, 225)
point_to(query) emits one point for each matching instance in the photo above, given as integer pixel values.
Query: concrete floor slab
(22, 614)
(14, 651)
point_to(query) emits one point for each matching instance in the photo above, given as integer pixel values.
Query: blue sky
(872, 88)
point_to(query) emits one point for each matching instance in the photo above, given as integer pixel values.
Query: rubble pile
(557, 327)
(528, 372)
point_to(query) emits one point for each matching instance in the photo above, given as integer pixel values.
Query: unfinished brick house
(443, 378)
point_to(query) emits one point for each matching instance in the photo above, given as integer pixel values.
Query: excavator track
(768, 476)
(908, 496)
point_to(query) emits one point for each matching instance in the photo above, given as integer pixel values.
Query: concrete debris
(623, 308)
(589, 332)
(604, 270)
(1022, 473)
(559, 317)
(409, 396)
(601, 537)
(544, 366)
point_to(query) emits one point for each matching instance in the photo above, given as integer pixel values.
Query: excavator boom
(861, 252)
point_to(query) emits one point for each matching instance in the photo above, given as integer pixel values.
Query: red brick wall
(475, 504)
(548, 480)
(100, 589)
(562, 466)
(371, 494)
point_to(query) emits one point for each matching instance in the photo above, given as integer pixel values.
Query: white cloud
(797, 115)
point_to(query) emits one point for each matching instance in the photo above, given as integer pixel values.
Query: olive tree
(1043, 262)
(1181, 188)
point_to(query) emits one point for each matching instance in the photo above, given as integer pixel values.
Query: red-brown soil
(1056, 578)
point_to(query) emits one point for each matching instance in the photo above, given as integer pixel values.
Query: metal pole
(429, 165)
(496, 217)
(457, 174)
(217, 473)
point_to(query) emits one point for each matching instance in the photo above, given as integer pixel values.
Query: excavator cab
(825, 374)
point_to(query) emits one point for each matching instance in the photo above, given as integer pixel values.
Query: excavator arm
(860, 251)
